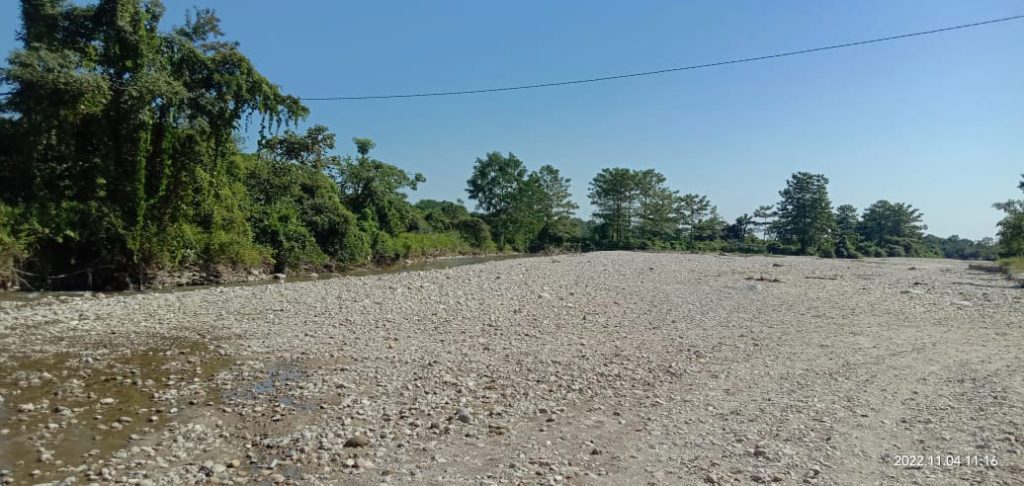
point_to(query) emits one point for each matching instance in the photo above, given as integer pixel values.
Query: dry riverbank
(603, 368)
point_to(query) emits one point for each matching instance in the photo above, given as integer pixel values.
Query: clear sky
(935, 121)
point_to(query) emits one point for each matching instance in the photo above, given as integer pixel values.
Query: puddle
(278, 377)
(67, 410)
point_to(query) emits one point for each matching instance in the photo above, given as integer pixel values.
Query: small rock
(463, 415)
(26, 407)
(107, 401)
(363, 463)
(357, 441)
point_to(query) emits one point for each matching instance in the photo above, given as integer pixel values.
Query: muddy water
(65, 411)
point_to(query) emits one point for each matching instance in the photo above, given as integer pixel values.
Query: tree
(741, 229)
(311, 149)
(1011, 227)
(847, 238)
(699, 219)
(614, 193)
(515, 204)
(119, 139)
(895, 228)
(558, 207)
(657, 211)
(765, 213)
(374, 188)
(496, 179)
(805, 214)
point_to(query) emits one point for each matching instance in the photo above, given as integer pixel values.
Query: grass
(1012, 266)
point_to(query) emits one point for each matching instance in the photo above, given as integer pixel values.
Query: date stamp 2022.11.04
(915, 461)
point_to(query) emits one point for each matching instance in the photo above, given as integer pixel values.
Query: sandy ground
(603, 368)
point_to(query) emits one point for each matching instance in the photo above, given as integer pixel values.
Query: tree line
(121, 159)
(634, 209)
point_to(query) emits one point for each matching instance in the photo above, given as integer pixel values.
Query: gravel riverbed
(604, 368)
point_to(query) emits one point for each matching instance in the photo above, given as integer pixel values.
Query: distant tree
(1011, 227)
(741, 229)
(805, 214)
(374, 188)
(557, 206)
(764, 215)
(311, 149)
(496, 179)
(896, 228)
(614, 193)
(695, 210)
(846, 236)
(657, 211)
(964, 248)
(516, 203)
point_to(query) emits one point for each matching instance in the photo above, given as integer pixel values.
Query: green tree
(118, 136)
(742, 229)
(658, 209)
(700, 220)
(805, 214)
(368, 184)
(1011, 227)
(764, 216)
(896, 228)
(614, 193)
(519, 205)
(847, 238)
(558, 207)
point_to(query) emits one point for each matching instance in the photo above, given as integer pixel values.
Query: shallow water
(70, 424)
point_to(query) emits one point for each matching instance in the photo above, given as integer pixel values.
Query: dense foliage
(121, 161)
(121, 158)
(525, 210)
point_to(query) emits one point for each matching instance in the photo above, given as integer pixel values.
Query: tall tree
(614, 193)
(118, 136)
(764, 215)
(557, 206)
(658, 209)
(847, 238)
(515, 204)
(699, 218)
(896, 228)
(805, 213)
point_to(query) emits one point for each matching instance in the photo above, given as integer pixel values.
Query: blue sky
(936, 121)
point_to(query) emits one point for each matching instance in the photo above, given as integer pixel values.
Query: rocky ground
(603, 368)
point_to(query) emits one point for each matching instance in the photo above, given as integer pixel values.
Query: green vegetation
(1011, 228)
(634, 209)
(525, 210)
(121, 157)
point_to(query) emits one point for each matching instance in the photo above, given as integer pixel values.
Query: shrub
(278, 227)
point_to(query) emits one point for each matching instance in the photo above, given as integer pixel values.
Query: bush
(355, 248)
(292, 246)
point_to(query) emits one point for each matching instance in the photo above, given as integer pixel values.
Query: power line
(669, 70)
(660, 71)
